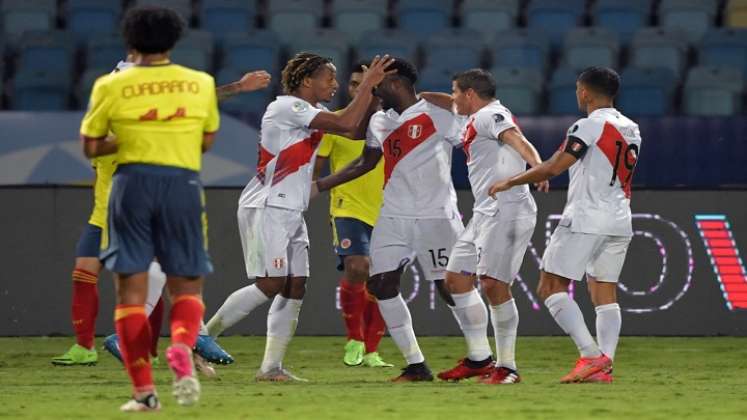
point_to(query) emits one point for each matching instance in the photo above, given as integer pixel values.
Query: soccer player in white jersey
(592, 237)
(495, 240)
(419, 218)
(270, 214)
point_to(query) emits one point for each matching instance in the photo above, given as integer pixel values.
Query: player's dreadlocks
(301, 66)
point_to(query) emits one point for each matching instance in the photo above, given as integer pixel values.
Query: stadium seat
(355, 17)
(105, 51)
(434, 80)
(724, 47)
(253, 103)
(489, 16)
(554, 18)
(85, 84)
(40, 90)
(39, 51)
(622, 17)
(424, 17)
(19, 16)
(91, 18)
(325, 42)
(222, 17)
(258, 49)
(454, 50)
(562, 92)
(519, 88)
(183, 7)
(646, 92)
(658, 47)
(394, 42)
(289, 17)
(735, 14)
(194, 50)
(591, 46)
(713, 91)
(693, 17)
(521, 48)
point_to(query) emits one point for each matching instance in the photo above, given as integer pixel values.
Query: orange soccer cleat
(586, 367)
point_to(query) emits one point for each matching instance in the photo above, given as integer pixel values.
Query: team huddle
(392, 203)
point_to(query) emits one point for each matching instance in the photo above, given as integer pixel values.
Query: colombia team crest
(414, 131)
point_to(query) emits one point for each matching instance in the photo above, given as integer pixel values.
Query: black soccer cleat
(416, 372)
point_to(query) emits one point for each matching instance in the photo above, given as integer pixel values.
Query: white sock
(399, 323)
(505, 319)
(156, 281)
(281, 326)
(609, 322)
(568, 315)
(235, 308)
(203, 328)
(472, 317)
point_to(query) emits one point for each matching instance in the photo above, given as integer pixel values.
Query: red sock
(85, 306)
(375, 325)
(186, 314)
(134, 342)
(353, 301)
(155, 320)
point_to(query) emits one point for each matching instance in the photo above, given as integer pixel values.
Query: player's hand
(374, 73)
(254, 80)
(498, 187)
(543, 186)
(314, 190)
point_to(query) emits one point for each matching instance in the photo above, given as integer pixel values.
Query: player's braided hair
(301, 66)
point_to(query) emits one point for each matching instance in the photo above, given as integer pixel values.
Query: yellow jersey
(104, 167)
(158, 114)
(360, 198)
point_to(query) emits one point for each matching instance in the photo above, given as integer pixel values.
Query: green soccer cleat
(374, 360)
(354, 350)
(77, 355)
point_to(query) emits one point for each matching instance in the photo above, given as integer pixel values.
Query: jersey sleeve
(491, 125)
(212, 122)
(295, 112)
(453, 132)
(375, 132)
(95, 123)
(325, 148)
(584, 130)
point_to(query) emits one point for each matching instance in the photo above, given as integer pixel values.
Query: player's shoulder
(433, 110)
(494, 112)
(289, 103)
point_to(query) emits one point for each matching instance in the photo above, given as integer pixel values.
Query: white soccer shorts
(492, 247)
(275, 242)
(397, 242)
(573, 254)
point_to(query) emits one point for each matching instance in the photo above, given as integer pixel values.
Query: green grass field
(655, 378)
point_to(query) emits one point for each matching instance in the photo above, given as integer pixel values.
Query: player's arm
(365, 163)
(347, 122)
(514, 138)
(563, 159)
(440, 99)
(251, 81)
(321, 163)
(207, 141)
(98, 146)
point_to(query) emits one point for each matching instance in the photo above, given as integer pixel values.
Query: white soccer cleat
(204, 367)
(186, 388)
(277, 374)
(149, 403)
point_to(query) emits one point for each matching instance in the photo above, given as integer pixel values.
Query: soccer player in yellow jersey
(163, 116)
(354, 208)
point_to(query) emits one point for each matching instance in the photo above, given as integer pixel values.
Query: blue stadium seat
(646, 92)
(624, 17)
(424, 17)
(183, 7)
(521, 48)
(454, 50)
(194, 50)
(85, 84)
(91, 18)
(40, 90)
(659, 47)
(289, 17)
(724, 47)
(253, 103)
(434, 80)
(19, 16)
(555, 18)
(355, 17)
(590, 46)
(222, 17)
(325, 42)
(713, 91)
(105, 51)
(394, 42)
(562, 90)
(489, 16)
(39, 51)
(519, 89)
(693, 17)
(259, 49)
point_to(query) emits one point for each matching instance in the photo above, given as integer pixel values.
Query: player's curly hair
(301, 66)
(152, 30)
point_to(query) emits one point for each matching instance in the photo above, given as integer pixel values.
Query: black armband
(575, 147)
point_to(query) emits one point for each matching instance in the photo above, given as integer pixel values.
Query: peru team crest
(278, 263)
(414, 131)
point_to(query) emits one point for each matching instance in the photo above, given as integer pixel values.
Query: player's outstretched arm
(558, 163)
(101, 146)
(347, 122)
(251, 81)
(514, 138)
(365, 163)
(440, 99)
